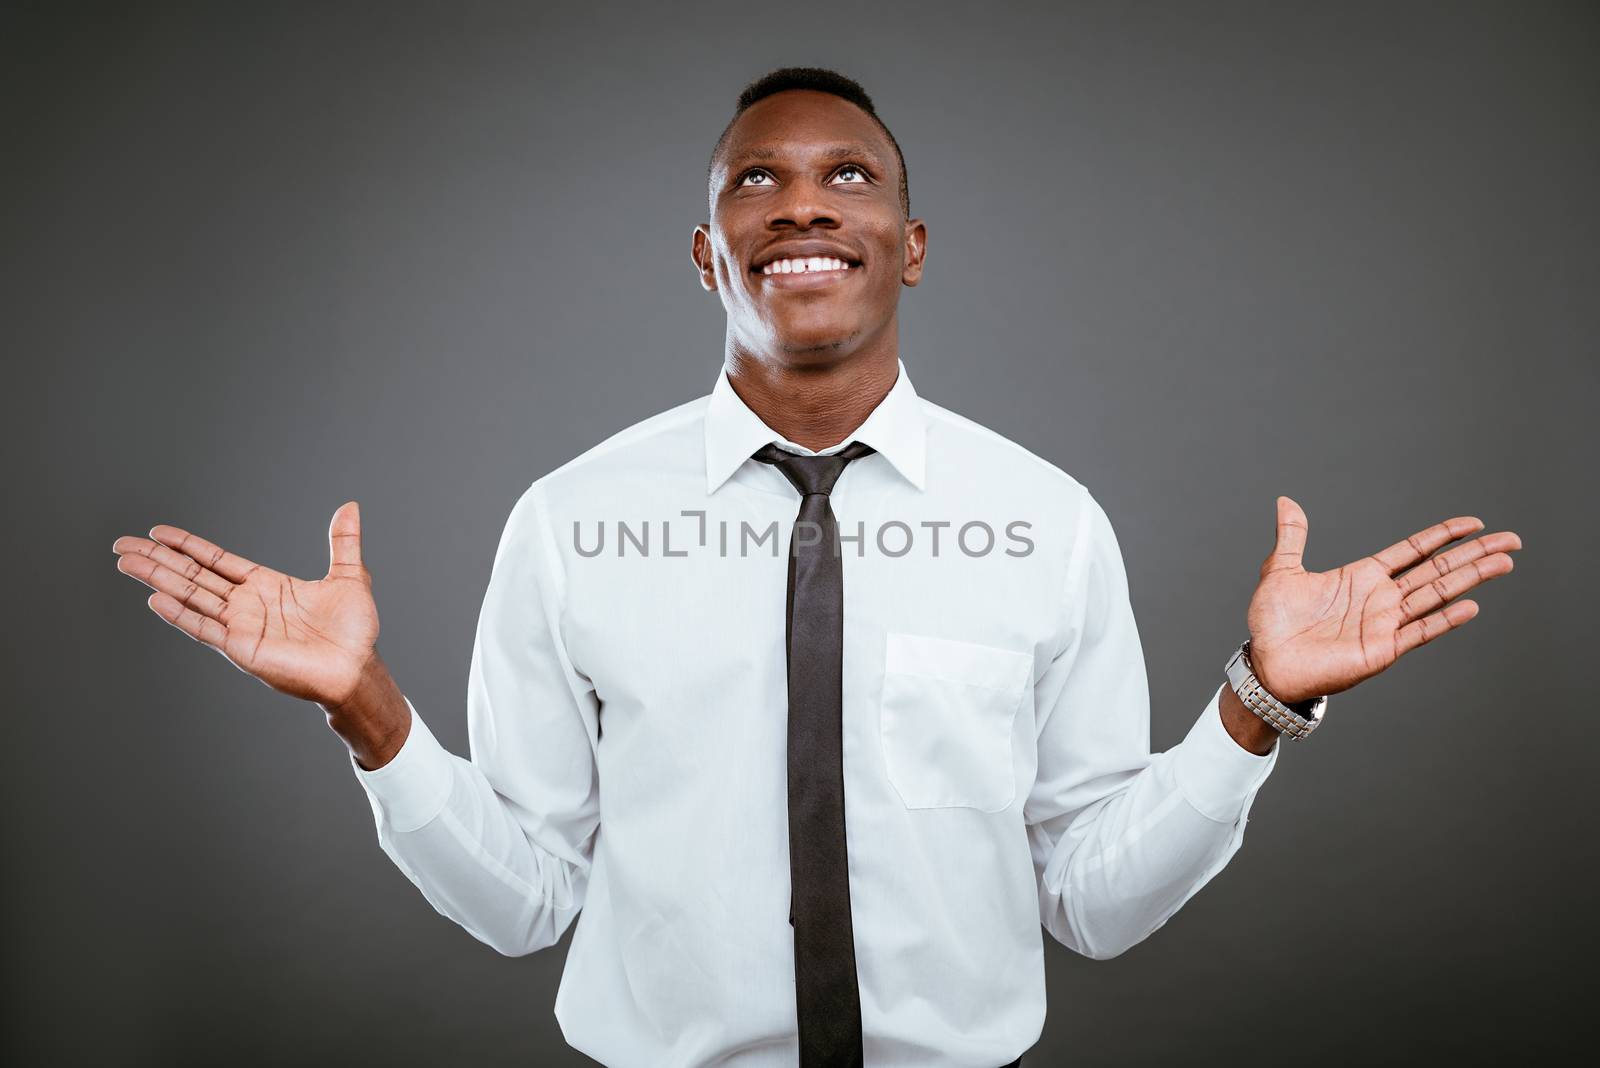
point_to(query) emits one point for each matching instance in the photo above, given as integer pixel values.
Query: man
(813, 805)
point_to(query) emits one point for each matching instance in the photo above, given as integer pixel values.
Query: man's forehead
(771, 151)
(803, 124)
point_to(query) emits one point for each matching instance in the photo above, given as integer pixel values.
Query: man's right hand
(313, 640)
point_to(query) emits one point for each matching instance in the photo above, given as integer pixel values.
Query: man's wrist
(1244, 726)
(375, 719)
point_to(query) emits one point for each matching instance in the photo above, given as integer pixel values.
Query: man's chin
(817, 346)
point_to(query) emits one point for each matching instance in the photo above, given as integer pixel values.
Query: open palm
(308, 639)
(1314, 633)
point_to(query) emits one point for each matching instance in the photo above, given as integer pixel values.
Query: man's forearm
(1245, 727)
(375, 720)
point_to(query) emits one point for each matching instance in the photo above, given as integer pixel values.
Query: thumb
(344, 541)
(1291, 541)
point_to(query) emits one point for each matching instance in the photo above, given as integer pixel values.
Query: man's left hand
(1314, 633)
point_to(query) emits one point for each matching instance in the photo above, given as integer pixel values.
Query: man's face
(807, 175)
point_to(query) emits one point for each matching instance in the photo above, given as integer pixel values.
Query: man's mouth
(809, 265)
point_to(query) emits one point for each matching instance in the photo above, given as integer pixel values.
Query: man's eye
(851, 168)
(743, 179)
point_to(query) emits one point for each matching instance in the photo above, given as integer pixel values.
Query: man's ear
(705, 263)
(916, 248)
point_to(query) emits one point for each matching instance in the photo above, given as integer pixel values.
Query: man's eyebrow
(829, 153)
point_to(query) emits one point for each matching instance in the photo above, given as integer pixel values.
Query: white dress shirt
(627, 712)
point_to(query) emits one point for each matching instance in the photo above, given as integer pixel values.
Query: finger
(1419, 546)
(1291, 539)
(187, 566)
(230, 566)
(1440, 563)
(163, 579)
(344, 540)
(1453, 584)
(201, 628)
(1430, 627)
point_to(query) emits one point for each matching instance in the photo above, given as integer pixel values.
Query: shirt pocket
(945, 720)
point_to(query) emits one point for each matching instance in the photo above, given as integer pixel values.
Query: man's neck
(814, 406)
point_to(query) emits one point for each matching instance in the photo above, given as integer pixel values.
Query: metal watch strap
(1297, 721)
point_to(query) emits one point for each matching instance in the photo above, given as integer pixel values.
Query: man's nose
(804, 206)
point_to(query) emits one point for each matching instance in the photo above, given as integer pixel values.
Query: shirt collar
(896, 428)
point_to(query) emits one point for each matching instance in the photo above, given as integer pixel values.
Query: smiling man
(811, 701)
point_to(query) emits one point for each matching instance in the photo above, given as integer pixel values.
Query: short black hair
(821, 80)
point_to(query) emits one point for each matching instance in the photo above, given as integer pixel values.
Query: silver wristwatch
(1296, 720)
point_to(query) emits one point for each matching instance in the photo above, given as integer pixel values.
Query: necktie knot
(812, 474)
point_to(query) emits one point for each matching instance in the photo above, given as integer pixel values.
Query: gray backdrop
(263, 259)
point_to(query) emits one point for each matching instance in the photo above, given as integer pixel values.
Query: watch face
(1306, 709)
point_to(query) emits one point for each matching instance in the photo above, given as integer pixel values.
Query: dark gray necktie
(827, 998)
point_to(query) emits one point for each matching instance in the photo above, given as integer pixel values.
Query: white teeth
(804, 265)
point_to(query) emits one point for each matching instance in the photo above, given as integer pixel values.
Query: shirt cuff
(1215, 772)
(412, 788)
